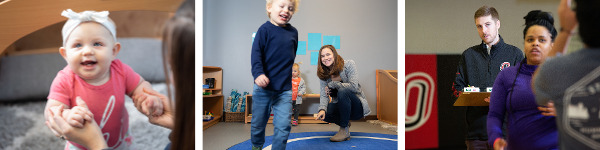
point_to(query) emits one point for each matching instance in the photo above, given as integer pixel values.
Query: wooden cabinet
(214, 101)
(301, 118)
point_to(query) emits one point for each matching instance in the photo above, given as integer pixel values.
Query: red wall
(421, 116)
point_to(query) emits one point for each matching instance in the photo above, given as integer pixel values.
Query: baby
(94, 75)
(298, 89)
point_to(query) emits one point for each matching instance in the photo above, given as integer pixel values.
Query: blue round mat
(320, 140)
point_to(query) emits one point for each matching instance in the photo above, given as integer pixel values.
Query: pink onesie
(106, 102)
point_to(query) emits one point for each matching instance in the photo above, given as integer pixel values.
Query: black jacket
(478, 68)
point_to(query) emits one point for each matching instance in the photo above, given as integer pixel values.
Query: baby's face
(295, 71)
(89, 51)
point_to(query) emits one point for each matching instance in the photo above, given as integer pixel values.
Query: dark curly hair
(541, 18)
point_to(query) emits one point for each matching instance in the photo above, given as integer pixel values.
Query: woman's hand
(499, 144)
(321, 115)
(89, 135)
(487, 99)
(166, 119)
(549, 110)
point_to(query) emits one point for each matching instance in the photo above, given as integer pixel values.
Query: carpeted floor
(320, 140)
(22, 127)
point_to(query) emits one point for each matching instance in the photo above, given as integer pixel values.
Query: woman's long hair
(325, 72)
(178, 52)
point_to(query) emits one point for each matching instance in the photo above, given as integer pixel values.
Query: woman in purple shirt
(513, 98)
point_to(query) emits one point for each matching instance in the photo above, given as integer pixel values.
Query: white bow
(77, 18)
(86, 15)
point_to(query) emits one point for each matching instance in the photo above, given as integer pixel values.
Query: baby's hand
(151, 105)
(154, 104)
(77, 115)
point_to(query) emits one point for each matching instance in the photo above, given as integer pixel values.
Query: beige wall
(447, 27)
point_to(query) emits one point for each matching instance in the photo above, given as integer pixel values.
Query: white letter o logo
(424, 102)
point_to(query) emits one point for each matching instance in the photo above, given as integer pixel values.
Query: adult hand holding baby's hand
(77, 115)
(89, 135)
(150, 105)
(166, 119)
(155, 104)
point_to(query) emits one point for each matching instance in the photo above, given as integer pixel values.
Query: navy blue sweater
(273, 54)
(478, 68)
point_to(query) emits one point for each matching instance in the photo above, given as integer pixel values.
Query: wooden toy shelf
(213, 102)
(301, 119)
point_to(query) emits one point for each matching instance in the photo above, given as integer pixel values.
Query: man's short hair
(486, 11)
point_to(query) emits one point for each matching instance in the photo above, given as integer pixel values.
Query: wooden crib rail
(19, 18)
(387, 95)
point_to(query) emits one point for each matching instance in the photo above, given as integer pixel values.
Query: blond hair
(296, 3)
(297, 66)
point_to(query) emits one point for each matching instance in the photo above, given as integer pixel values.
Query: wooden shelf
(301, 119)
(214, 102)
(207, 124)
(212, 95)
(211, 68)
(310, 96)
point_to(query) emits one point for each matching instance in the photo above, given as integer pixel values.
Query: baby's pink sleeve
(60, 89)
(132, 79)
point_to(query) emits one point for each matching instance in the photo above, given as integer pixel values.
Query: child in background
(298, 89)
(273, 53)
(94, 76)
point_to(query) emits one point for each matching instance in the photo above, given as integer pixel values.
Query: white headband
(77, 18)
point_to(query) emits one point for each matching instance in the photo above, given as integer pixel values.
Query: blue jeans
(280, 102)
(168, 147)
(348, 107)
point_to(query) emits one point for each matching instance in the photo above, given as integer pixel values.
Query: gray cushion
(144, 56)
(24, 77)
(28, 76)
